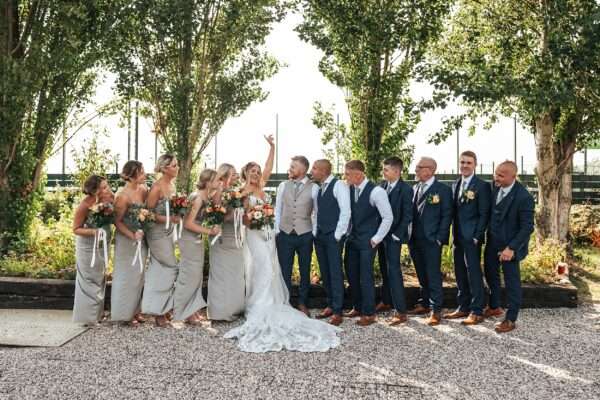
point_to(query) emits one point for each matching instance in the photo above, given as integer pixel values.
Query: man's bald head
(506, 173)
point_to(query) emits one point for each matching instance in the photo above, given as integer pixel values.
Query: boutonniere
(467, 196)
(433, 199)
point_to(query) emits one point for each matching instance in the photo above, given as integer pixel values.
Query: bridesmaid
(128, 279)
(90, 283)
(188, 290)
(226, 283)
(158, 299)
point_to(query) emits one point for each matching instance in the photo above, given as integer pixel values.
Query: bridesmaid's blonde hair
(224, 171)
(206, 176)
(163, 161)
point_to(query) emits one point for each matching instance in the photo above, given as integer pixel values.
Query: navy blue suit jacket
(401, 201)
(471, 216)
(435, 217)
(512, 225)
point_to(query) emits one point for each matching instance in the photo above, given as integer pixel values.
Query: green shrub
(540, 265)
(56, 203)
(49, 253)
(584, 222)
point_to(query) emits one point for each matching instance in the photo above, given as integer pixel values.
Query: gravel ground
(554, 354)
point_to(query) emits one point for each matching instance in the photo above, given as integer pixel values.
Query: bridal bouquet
(234, 199)
(261, 216)
(178, 205)
(214, 214)
(141, 219)
(99, 216)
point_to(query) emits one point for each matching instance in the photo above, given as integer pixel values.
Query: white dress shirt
(279, 203)
(466, 179)
(341, 192)
(390, 187)
(428, 184)
(379, 199)
(505, 191)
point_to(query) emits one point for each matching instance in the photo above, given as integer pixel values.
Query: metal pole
(215, 151)
(515, 139)
(155, 148)
(64, 154)
(337, 144)
(585, 169)
(137, 130)
(457, 151)
(522, 168)
(129, 130)
(276, 143)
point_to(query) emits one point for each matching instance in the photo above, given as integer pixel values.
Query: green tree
(193, 64)
(48, 52)
(537, 60)
(371, 49)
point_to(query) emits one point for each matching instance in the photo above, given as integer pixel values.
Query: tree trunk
(554, 175)
(184, 179)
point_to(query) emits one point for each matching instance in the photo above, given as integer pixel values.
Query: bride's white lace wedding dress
(271, 323)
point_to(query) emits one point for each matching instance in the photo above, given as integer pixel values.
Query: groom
(293, 226)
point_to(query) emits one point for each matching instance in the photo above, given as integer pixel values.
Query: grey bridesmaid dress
(226, 283)
(188, 289)
(90, 283)
(127, 279)
(163, 268)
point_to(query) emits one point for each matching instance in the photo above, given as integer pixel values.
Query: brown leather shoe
(366, 320)
(326, 313)
(336, 320)
(505, 326)
(304, 309)
(352, 314)
(382, 307)
(473, 319)
(492, 312)
(419, 310)
(456, 314)
(398, 319)
(434, 319)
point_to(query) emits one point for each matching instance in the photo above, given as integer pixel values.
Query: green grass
(585, 273)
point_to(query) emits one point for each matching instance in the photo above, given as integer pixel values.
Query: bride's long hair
(247, 168)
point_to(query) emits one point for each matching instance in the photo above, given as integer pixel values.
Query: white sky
(293, 92)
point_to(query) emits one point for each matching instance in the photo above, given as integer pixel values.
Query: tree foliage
(371, 49)
(194, 64)
(538, 60)
(48, 54)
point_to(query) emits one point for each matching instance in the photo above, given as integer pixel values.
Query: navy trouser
(512, 282)
(288, 245)
(427, 257)
(469, 278)
(358, 261)
(329, 255)
(392, 289)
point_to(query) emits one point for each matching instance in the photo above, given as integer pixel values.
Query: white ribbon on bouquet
(239, 230)
(138, 255)
(212, 242)
(100, 237)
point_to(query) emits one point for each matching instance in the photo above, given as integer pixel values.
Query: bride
(271, 323)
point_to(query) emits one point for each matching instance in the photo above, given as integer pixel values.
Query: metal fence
(586, 188)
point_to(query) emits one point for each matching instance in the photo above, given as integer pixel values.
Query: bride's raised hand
(270, 139)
